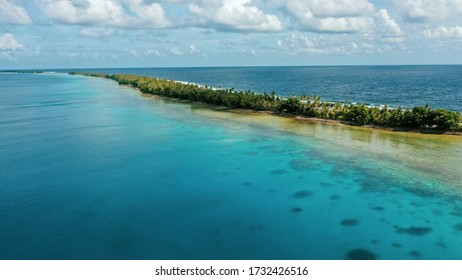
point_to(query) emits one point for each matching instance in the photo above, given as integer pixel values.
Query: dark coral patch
(396, 245)
(335, 197)
(415, 231)
(378, 208)
(360, 254)
(301, 194)
(296, 210)
(326, 185)
(372, 185)
(256, 227)
(456, 213)
(270, 149)
(441, 244)
(458, 227)
(437, 212)
(423, 191)
(349, 222)
(303, 164)
(415, 254)
(278, 171)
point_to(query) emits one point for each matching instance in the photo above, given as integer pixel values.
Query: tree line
(419, 117)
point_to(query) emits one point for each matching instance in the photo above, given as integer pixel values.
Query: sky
(47, 34)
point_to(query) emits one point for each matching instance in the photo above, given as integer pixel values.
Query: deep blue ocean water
(407, 86)
(92, 170)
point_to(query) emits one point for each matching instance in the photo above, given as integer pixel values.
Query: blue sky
(175, 33)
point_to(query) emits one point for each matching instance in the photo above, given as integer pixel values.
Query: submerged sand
(426, 159)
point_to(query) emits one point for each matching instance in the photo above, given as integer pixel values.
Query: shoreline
(422, 120)
(299, 118)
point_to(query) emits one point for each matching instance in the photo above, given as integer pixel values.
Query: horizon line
(232, 66)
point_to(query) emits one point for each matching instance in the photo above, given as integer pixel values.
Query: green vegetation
(420, 117)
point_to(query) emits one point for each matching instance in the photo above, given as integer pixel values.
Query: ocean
(93, 170)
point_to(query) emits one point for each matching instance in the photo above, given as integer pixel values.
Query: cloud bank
(12, 13)
(227, 30)
(116, 13)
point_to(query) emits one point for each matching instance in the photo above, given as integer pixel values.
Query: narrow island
(419, 118)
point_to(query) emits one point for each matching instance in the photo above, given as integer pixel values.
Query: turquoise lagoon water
(91, 170)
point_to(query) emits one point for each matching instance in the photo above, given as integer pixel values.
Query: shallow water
(91, 170)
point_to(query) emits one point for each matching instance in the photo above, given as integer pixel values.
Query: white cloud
(84, 12)
(387, 24)
(150, 14)
(387, 28)
(151, 52)
(301, 44)
(9, 43)
(133, 53)
(345, 16)
(96, 33)
(332, 15)
(442, 32)
(193, 49)
(331, 44)
(429, 10)
(71, 55)
(176, 51)
(335, 8)
(238, 15)
(117, 13)
(297, 42)
(11, 13)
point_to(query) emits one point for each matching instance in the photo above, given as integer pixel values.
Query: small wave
(186, 83)
(197, 84)
(52, 73)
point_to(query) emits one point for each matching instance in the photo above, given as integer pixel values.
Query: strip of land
(420, 118)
